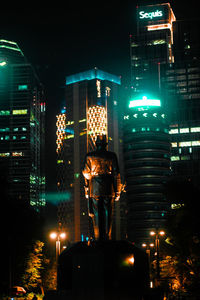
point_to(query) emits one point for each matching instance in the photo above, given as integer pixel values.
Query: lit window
(175, 158)
(22, 87)
(4, 129)
(195, 129)
(17, 153)
(174, 145)
(5, 154)
(20, 111)
(185, 144)
(196, 143)
(184, 130)
(4, 112)
(173, 131)
(60, 161)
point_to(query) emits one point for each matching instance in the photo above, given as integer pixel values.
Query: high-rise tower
(151, 45)
(91, 109)
(22, 110)
(147, 165)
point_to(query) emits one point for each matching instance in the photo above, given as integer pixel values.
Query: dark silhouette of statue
(102, 187)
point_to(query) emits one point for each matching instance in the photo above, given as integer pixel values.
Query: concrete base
(103, 270)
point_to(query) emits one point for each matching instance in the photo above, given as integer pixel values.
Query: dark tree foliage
(183, 231)
(20, 225)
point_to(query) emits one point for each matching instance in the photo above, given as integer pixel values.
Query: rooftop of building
(10, 45)
(93, 74)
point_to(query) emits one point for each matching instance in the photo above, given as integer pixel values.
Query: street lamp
(57, 236)
(148, 248)
(157, 235)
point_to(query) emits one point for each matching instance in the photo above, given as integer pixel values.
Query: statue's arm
(117, 178)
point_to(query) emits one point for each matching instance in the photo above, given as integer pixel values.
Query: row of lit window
(7, 137)
(184, 130)
(61, 126)
(7, 129)
(150, 129)
(7, 154)
(177, 158)
(185, 144)
(155, 115)
(14, 112)
(97, 121)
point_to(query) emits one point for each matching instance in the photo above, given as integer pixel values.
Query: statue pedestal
(103, 270)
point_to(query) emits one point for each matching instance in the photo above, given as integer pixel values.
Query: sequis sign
(150, 15)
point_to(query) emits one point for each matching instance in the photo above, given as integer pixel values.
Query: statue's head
(101, 142)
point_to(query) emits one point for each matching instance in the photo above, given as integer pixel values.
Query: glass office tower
(151, 45)
(91, 109)
(22, 111)
(181, 86)
(147, 166)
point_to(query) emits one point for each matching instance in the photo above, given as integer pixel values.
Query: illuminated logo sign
(144, 102)
(150, 15)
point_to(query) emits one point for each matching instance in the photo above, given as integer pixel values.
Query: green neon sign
(144, 102)
(150, 15)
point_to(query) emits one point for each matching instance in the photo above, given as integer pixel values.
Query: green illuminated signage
(150, 15)
(144, 102)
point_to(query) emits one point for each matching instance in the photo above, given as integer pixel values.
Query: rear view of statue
(102, 187)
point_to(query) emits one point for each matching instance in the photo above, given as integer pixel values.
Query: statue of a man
(102, 187)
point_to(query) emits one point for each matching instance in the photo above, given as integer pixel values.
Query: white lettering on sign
(150, 15)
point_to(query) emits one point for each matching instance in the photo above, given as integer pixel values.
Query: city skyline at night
(65, 44)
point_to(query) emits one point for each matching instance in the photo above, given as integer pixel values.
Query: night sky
(67, 38)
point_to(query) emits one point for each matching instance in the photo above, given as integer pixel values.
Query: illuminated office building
(147, 166)
(165, 58)
(22, 110)
(151, 45)
(91, 109)
(181, 86)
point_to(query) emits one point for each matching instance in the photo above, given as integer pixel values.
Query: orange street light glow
(53, 235)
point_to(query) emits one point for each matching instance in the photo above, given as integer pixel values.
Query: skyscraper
(151, 45)
(146, 137)
(181, 86)
(147, 166)
(22, 110)
(91, 109)
(165, 60)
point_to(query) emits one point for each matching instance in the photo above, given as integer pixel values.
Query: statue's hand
(87, 192)
(117, 196)
(91, 215)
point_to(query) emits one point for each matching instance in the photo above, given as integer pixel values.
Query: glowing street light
(58, 236)
(157, 234)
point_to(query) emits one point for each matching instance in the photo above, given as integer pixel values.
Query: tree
(32, 280)
(181, 262)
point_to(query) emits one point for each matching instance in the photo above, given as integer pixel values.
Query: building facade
(165, 59)
(151, 45)
(22, 112)
(91, 109)
(147, 166)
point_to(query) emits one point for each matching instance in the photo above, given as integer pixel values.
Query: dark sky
(70, 37)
